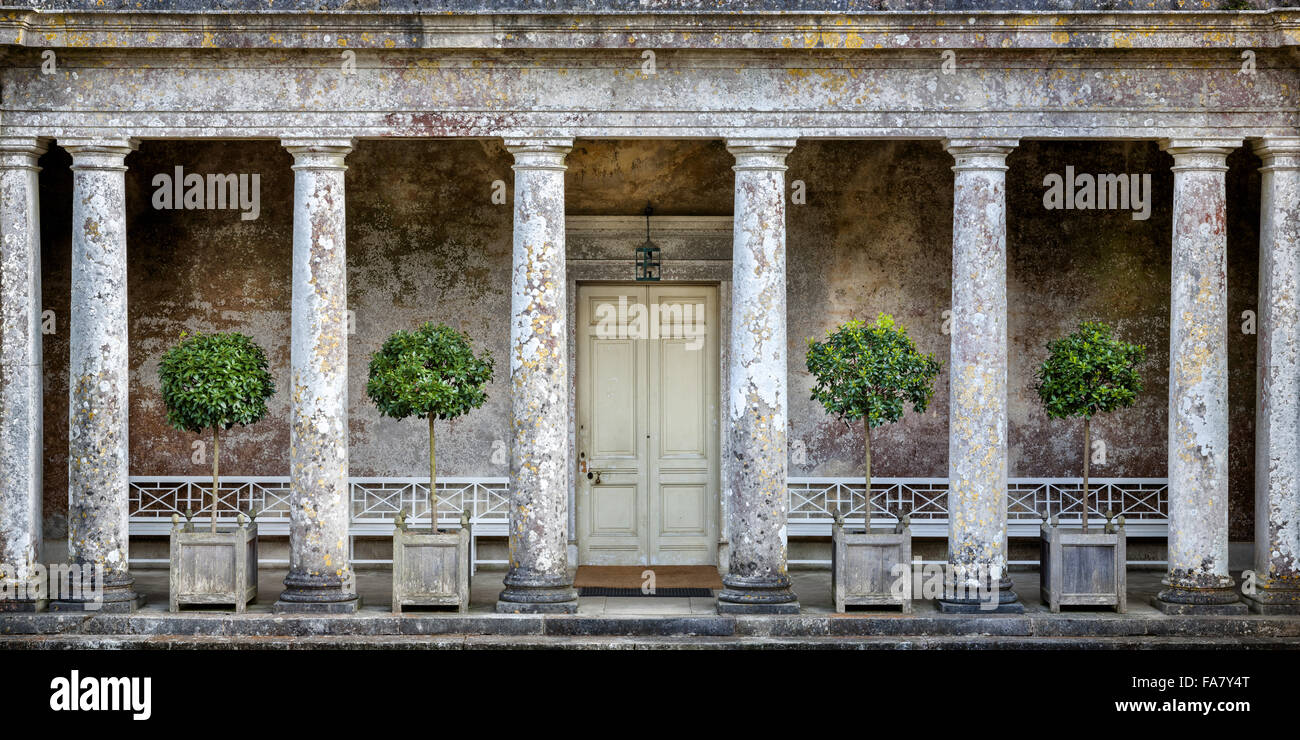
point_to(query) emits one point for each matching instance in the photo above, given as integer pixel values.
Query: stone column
(98, 439)
(320, 576)
(539, 580)
(1277, 404)
(1197, 580)
(20, 372)
(977, 578)
(757, 494)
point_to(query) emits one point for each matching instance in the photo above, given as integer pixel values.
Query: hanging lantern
(647, 255)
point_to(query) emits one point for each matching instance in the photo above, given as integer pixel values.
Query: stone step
(1093, 625)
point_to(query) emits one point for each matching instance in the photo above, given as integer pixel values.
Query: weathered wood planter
(863, 566)
(1080, 569)
(213, 568)
(431, 569)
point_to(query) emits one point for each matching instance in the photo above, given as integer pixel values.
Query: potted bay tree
(870, 373)
(1086, 373)
(430, 373)
(210, 383)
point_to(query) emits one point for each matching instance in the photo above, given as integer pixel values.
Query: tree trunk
(1087, 457)
(216, 453)
(433, 482)
(866, 436)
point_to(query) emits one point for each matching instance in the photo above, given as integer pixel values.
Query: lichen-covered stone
(538, 579)
(320, 503)
(1277, 446)
(1198, 378)
(977, 390)
(98, 427)
(757, 463)
(21, 430)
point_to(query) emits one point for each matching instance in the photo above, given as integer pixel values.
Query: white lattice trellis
(1143, 502)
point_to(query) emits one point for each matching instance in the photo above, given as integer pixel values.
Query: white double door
(647, 396)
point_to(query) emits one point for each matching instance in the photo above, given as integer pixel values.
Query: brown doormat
(666, 576)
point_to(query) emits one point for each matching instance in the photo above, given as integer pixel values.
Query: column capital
(99, 153)
(1200, 154)
(760, 153)
(539, 152)
(318, 153)
(1278, 152)
(21, 152)
(980, 154)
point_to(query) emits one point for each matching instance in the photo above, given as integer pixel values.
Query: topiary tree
(430, 373)
(870, 372)
(214, 381)
(1087, 373)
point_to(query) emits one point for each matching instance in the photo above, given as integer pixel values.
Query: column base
(24, 605)
(309, 594)
(527, 593)
(737, 608)
(955, 607)
(555, 607)
(350, 606)
(1178, 608)
(1269, 608)
(120, 606)
(117, 597)
(1267, 600)
(1008, 602)
(1199, 601)
(763, 595)
(29, 597)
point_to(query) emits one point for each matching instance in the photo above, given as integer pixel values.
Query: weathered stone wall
(425, 241)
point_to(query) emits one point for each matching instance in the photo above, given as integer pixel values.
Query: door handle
(594, 477)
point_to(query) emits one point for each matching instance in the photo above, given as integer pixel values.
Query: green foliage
(872, 371)
(214, 381)
(1089, 372)
(432, 370)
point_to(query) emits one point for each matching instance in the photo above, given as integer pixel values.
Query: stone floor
(812, 586)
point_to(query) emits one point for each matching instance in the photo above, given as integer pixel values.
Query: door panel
(683, 453)
(611, 432)
(647, 421)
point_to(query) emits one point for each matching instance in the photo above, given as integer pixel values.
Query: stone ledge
(748, 24)
(502, 642)
(87, 629)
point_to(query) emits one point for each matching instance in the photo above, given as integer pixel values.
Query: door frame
(696, 250)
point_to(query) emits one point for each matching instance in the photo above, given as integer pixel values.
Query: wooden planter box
(209, 568)
(863, 567)
(431, 569)
(1080, 569)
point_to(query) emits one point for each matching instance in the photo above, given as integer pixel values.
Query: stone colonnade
(320, 577)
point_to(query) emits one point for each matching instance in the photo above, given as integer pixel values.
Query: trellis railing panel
(1144, 502)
